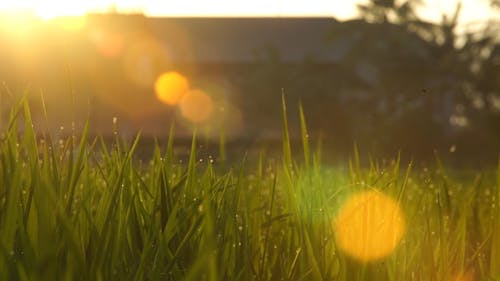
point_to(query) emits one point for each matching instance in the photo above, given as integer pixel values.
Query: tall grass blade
(287, 150)
(305, 137)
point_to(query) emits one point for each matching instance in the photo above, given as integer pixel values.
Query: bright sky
(473, 10)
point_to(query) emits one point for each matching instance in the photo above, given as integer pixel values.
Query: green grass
(79, 209)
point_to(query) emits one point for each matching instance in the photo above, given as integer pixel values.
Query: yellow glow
(369, 226)
(54, 10)
(170, 87)
(472, 10)
(196, 106)
(72, 23)
(46, 9)
(467, 276)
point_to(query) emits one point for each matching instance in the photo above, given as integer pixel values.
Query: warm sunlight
(46, 9)
(196, 106)
(369, 226)
(472, 10)
(71, 23)
(170, 87)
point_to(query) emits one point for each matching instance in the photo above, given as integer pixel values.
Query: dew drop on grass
(453, 148)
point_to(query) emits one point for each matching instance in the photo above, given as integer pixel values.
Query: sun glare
(369, 226)
(54, 11)
(170, 87)
(45, 10)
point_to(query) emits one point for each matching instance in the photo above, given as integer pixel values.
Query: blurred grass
(79, 209)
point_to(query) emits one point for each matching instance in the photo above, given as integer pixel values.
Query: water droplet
(453, 148)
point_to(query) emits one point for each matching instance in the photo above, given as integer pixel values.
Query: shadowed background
(387, 80)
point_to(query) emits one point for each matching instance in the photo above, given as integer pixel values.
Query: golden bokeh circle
(170, 87)
(369, 226)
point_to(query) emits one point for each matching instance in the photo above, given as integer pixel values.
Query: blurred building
(355, 79)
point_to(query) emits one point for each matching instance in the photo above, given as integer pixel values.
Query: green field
(81, 209)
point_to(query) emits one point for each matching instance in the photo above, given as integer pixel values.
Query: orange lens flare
(171, 87)
(196, 106)
(369, 226)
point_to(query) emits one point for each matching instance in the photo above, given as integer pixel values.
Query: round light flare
(170, 87)
(369, 226)
(196, 106)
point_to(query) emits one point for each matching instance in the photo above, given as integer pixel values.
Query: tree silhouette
(460, 72)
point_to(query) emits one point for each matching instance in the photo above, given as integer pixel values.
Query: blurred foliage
(495, 3)
(460, 72)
